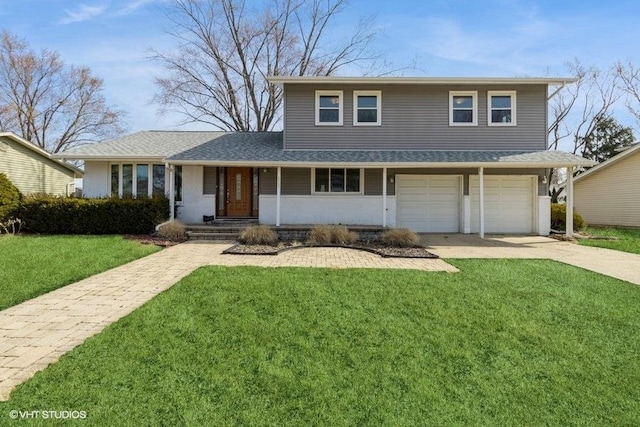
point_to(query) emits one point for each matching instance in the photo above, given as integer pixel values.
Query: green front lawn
(503, 342)
(620, 239)
(34, 265)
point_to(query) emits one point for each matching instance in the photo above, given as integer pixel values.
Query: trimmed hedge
(9, 198)
(559, 218)
(55, 215)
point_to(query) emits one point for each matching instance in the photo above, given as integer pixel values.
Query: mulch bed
(383, 251)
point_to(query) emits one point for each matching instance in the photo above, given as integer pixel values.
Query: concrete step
(231, 237)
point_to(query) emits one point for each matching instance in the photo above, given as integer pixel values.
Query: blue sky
(503, 38)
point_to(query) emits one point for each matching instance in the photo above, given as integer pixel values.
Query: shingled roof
(266, 149)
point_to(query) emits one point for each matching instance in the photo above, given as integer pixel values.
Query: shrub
(173, 231)
(559, 218)
(59, 215)
(332, 234)
(9, 198)
(11, 226)
(258, 235)
(400, 238)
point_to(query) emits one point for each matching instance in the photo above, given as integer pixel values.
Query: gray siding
(295, 181)
(416, 117)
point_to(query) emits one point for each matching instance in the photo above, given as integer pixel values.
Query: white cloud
(83, 13)
(134, 5)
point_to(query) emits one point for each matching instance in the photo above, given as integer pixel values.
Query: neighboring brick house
(33, 170)
(463, 155)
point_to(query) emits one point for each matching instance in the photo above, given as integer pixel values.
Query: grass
(34, 265)
(503, 342)
(622, 239)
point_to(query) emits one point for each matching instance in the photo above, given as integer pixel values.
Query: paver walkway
(37, 332)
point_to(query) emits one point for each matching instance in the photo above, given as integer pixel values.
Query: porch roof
(264, 149)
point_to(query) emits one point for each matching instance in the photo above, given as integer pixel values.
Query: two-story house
(463, 155)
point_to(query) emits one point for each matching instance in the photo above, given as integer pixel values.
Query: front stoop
(226, 230)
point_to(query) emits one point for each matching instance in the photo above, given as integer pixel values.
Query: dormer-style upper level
(350, 113)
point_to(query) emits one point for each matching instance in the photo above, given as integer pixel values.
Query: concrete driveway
(621, 265)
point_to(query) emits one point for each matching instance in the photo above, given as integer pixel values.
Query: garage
(428, 203)
(508, 204)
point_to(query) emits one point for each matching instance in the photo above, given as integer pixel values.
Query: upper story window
(501, 108)
(367, 108)
(463, 108)
(337, 180)
(329, 107)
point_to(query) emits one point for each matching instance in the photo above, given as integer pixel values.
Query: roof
(610, 162)
(151, 145)
(264, 149)
(29, 145)
(421, 80)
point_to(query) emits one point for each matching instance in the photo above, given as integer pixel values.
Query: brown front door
(239, 192)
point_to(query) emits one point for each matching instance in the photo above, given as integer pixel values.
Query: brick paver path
(37, 332)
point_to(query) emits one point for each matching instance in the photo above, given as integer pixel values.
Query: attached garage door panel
(508, 204)
(428, 203)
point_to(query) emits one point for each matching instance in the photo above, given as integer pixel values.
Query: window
(124, 182)
(501, 108)
(115, 180)
(158, 180)
(127, 180)
(177, 188)
(337, 180)
(209, 180)
(328, 108)
(142, 180)
(463, 108)
(367, 108)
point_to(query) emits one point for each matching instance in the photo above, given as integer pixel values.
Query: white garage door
(428, 203)
(508, 204)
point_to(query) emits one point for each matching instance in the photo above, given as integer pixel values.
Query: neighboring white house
(460, 155)
(609, 193)
(33, 170)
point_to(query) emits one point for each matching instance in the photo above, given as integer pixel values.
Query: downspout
(555, 92)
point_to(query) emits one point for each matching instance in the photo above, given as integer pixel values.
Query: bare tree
(577, 108)
(228, 48)
(48, 103)
(575, 111)
(630, 83)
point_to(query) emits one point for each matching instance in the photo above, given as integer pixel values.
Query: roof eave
(280, 80)
(609, 162)
(397, 165)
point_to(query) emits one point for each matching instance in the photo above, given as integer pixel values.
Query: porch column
(569, 190)
(172, 192)
(481, 199)
(278, 191)
(384, 197)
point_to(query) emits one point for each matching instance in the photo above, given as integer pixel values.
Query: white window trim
(474, 95)
(336, 193)
(512, 94)
(378, 95)
(340, 96)
(134, 184)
